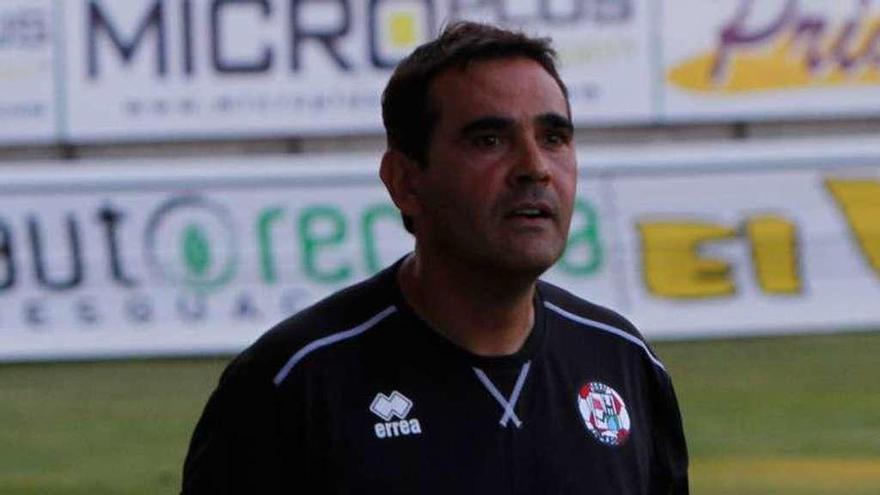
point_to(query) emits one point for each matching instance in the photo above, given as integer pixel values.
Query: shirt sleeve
(670, 470)
(235, 447)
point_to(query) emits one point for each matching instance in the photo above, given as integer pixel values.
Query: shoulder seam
(330, 340)
(606, 328)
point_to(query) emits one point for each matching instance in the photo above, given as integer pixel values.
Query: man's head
(408, 111)
(481, 155)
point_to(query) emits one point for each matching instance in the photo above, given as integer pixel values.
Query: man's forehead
(502, 84)
(494, 73)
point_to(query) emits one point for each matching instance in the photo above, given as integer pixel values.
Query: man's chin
(521, 259)
(526, 263)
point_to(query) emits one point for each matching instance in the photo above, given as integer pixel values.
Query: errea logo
(397, 406)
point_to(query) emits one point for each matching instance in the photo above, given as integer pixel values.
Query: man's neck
(486, 314)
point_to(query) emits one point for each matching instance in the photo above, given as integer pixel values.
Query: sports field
(781, 416)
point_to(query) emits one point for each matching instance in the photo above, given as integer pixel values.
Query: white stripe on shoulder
(329, 340)
(606, 328)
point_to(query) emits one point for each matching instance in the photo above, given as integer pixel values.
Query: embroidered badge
(604, 413)
(390, 407)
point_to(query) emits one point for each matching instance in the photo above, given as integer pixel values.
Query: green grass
(781, 416)
(99, 428)
(793, 415)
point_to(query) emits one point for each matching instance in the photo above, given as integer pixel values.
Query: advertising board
(160, 258)
(27, 77)
(98, 71)
(745, 252)
(748, 59)
(163, 257)
(170, 69)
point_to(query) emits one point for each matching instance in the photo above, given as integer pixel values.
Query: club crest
(604, 413)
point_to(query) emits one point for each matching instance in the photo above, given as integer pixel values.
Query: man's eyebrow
(555, 121)
(487, 123)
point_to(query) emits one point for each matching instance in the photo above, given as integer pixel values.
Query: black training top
(357, 394)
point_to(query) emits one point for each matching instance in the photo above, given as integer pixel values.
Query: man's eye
(487, 140)
(556, 138)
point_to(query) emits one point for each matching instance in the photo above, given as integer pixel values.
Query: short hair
(407, 112)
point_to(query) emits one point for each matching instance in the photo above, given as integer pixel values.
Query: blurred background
(178, 175)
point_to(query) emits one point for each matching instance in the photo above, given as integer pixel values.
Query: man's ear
(400, 175)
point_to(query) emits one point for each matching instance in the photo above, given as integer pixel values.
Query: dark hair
(407, 112)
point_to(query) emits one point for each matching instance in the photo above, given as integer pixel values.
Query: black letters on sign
(328, 39)
(6, 257)
(42, 260)
(222, 65)
(99, 21)
(111, 219)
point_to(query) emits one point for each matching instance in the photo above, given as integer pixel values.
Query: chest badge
(604, 413)
(393, 411)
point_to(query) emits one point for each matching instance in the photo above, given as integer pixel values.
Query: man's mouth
(531, 211)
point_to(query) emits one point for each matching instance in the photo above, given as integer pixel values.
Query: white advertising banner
(27, 82)
(756, 59)
(104, 70)
(197, 68)
(159, 258)
(164, 257)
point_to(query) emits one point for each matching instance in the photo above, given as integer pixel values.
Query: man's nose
(531, 164)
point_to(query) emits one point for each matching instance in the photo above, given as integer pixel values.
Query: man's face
(501, 173)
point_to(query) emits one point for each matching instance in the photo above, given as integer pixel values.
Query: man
(455, 370)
